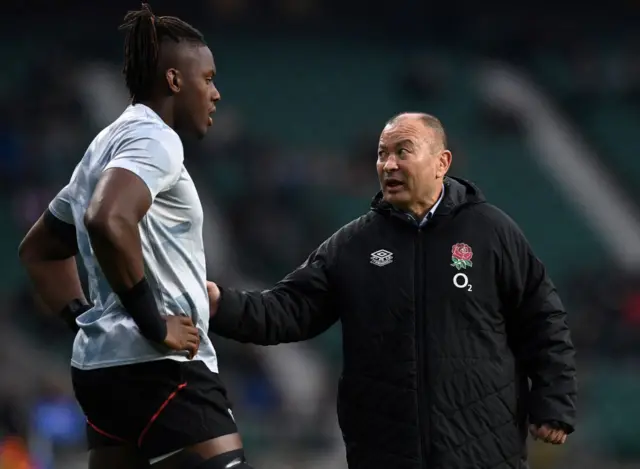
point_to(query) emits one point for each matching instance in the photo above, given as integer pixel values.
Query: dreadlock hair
(144, 35)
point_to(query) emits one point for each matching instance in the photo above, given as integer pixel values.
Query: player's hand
(554, 436)
(214, 297)
(182, 335)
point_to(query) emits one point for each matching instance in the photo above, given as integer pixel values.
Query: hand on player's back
(182, 335)
(214, 297)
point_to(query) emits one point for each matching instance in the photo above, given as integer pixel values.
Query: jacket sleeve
(539, 334)
(298, 308)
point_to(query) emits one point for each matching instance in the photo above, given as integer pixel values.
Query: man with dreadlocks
(144, 370)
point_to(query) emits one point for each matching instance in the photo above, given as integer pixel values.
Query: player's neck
(162, 107)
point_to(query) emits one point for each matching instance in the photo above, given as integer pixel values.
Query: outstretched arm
(299, 307)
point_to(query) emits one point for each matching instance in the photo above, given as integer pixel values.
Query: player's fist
(214, 297)
(554, 436)
(182, 335)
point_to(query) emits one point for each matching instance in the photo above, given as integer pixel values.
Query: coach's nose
(391, 164)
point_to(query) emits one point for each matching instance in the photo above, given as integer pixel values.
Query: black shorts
(160, 406)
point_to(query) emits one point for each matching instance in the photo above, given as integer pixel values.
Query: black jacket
(442, 325)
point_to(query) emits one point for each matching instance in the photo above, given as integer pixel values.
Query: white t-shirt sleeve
(155, 155)
(60, 206)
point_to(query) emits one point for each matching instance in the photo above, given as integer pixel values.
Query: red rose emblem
(462, 252)
(461, 255)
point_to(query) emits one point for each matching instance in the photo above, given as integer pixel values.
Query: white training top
(171, 233)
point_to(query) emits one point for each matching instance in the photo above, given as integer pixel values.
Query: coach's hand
(548, 434)
(214, 297)
(182, 335)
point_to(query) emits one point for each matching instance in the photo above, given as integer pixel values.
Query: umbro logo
(381, 258)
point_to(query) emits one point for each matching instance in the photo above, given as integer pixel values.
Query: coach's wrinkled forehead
(414, 126)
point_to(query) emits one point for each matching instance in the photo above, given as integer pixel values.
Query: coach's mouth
(210, 118)
(393, 184)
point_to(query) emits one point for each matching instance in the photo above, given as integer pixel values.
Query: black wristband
(70, 313)
(141, 305)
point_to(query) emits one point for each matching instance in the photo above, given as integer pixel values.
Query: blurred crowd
(291, 158)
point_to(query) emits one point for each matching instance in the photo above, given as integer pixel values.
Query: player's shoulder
(140, 137)
(150, 130)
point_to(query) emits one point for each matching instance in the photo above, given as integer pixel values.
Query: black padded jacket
(454, 337)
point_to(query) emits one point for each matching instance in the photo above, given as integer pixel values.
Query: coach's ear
(174, 81)
(444, 163)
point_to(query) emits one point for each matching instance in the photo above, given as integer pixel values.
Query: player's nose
(215, 95)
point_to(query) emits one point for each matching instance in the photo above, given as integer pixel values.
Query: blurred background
(542, 107)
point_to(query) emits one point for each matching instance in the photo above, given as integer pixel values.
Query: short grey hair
(429, 121)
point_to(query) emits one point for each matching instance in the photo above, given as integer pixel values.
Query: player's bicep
(50, 239)
(142, 168)
(119, 193)
(53, 236)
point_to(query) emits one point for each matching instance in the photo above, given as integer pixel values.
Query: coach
(455, 340)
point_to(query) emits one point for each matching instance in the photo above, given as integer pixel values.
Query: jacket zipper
(421, 320)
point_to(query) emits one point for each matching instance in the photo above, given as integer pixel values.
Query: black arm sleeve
(299, 307)
(539, 333)
(63, 231)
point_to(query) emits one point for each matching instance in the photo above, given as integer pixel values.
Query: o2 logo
(461, 280)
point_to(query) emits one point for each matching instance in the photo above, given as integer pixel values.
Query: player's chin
(201, 131)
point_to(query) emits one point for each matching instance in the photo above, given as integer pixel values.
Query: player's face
(409, 167)
(198, 96)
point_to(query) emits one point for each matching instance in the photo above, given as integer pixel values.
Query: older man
(455, 340)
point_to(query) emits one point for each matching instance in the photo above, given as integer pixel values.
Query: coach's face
(412, 163)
